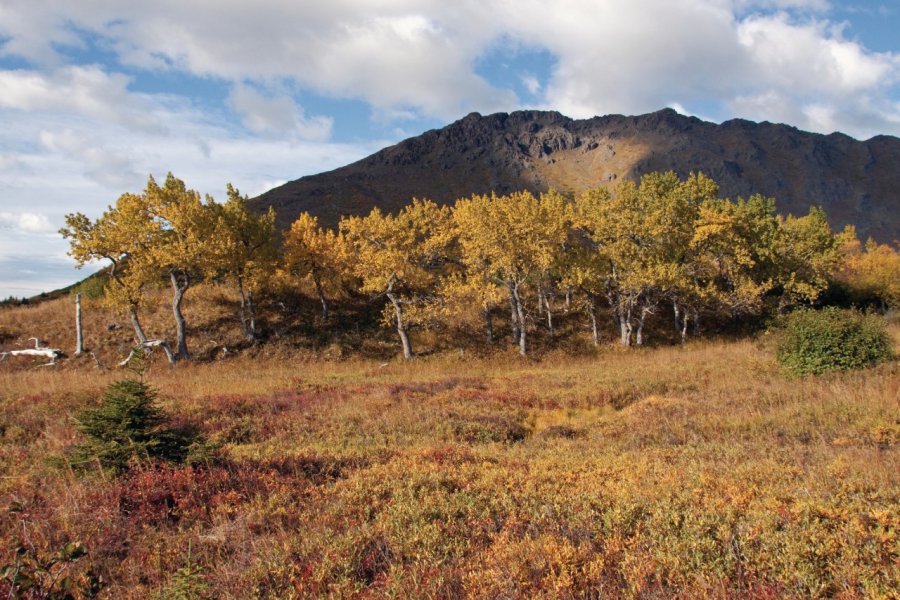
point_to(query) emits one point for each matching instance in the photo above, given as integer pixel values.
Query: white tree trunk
(136, 324)
(514, 313)
(625, 326)
(401, 326)
(549, 314)
(38, 350)
(520, 316)
(79, 337)
(170, 356)
(592, 311)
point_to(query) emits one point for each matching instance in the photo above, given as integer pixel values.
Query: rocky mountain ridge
(854, 181)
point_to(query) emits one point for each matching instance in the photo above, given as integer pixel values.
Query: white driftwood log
(38, 350)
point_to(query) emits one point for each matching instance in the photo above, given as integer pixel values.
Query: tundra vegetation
(295, 457)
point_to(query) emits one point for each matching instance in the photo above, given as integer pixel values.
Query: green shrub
(129, 427)
(814, 342)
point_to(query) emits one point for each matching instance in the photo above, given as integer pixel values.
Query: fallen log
(51, 353)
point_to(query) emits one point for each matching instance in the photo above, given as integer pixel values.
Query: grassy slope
(696, 471)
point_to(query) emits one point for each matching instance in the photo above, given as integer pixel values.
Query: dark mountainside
(855, 182)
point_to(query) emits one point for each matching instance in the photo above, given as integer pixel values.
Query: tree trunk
(79, 337)
(514, 313)
(520, 316)
(321, 293)
(245, 322)
(401, 326)
(489, 325)
(251, 314)
(677, 315)
(136, 323)
(549, 314)
(625, 326)
(639, 337)
(684, 327)
(568, 299)
(592, 310)
(178, 288)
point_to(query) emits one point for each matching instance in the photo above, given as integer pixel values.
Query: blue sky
(96, 95)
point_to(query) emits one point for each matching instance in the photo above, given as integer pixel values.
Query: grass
(696, 471)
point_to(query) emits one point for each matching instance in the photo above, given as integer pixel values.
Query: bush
(814, 342)
(129, 427)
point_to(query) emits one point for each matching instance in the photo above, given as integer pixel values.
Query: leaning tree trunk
(136, 324)
(549, 314)
(489, 325)
(321, 293)
(179, 287)
(401, 326)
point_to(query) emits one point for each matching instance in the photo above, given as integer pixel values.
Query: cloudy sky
(95, 95)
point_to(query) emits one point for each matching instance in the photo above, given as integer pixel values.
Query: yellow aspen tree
(726, 250)
(401, 257)
(184, 229)
(806, 253)
(556, 214)
(643, 231)
(122, 235)
(317, 254)
(243, 248)
(871, 271)
(515, 237)
(587, 268)
(461, 290)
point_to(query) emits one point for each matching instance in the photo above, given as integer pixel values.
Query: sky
(96, 95)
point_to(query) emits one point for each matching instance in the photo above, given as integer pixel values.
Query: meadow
(671, 471)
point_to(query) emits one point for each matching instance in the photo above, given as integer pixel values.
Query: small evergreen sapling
(128, 427)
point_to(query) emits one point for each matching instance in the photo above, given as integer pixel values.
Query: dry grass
(694, 471)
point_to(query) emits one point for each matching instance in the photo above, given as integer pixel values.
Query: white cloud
(26, 222)
(83, 90)
(810, 58)
(531, 83)
(277, 115)
(417, 56)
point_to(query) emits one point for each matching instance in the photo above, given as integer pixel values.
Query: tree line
(663, 245)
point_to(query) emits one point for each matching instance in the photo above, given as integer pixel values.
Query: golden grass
(695, 471)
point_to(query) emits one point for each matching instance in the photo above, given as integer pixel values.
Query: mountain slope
(855, 182)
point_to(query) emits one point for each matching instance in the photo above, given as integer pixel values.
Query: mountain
(855, 182)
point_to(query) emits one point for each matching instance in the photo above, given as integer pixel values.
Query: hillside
(855, 182)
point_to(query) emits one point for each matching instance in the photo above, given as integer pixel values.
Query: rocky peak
(856, 182)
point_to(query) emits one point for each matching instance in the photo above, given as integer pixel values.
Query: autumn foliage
(662, 254)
